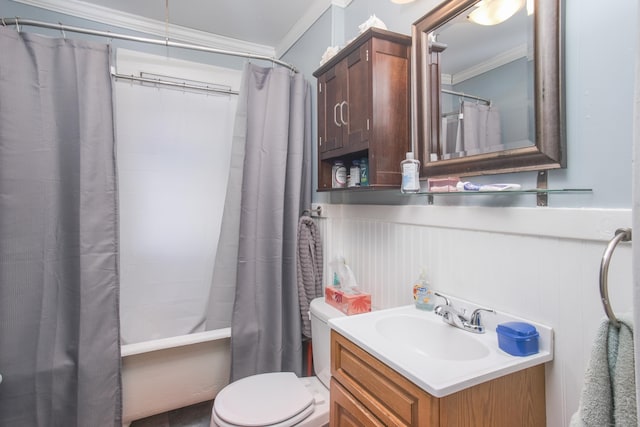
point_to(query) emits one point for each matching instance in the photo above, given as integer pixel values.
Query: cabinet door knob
(335, 114)
(342, 104)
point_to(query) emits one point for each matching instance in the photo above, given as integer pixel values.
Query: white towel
(608, 396)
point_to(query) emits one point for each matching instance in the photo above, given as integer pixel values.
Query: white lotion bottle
(410, 174)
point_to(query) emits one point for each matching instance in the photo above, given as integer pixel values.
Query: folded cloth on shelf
(608, 397)
(372, 22)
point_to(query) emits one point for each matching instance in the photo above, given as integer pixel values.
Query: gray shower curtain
(276, 185)
(59, 334)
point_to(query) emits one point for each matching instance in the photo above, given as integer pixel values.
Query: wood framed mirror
(488, 98)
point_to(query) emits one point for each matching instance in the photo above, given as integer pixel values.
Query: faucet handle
(446, 300)
(475, 316)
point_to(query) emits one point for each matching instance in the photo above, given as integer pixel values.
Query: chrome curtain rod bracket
(18, 22)
(621, 235)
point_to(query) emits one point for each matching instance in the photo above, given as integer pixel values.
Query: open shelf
(541, 193)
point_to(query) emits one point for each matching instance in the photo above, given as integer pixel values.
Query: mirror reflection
(488, 87)
(486, 83)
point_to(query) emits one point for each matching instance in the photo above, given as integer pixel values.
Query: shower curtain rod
(166, 42)
(451, 92)
(171, 84)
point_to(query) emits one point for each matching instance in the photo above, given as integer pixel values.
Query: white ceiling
(268, 24)
(266, 27)
(258, 21)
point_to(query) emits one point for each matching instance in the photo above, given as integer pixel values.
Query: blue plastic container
(518, 338)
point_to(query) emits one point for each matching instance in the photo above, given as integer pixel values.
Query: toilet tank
(321, 312)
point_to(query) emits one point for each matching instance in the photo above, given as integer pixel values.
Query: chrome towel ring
(621, 235)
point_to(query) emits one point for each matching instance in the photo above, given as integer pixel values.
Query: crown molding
(341, 3)
(154, 27)
(314, 12)
(506, 57)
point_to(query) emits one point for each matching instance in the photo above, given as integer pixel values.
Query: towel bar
(624, 235)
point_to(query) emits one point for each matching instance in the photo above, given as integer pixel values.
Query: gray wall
(600, 49)
(600, 46)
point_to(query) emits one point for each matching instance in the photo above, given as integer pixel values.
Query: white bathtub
(170, 373)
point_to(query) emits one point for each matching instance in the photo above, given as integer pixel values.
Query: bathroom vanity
(382, 374)
(366, 392)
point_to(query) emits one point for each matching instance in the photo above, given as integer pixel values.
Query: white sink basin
(438, 357)
(431, 339)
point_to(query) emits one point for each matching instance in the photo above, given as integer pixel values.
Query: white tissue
(373, 21)
(348, 281)
(329, 53)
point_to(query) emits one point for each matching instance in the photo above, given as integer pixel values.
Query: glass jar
(338, 175)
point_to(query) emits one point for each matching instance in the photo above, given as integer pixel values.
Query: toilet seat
(275, 399)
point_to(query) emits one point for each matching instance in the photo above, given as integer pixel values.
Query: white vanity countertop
(453, 368)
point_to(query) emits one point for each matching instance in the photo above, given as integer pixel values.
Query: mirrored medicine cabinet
(488, 98)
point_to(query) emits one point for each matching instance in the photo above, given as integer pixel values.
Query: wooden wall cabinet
(364, 107)
(366, 392)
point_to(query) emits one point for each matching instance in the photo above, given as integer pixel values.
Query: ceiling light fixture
(492, 12)
(530, 7)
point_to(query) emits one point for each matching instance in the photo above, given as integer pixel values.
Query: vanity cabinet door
(344, 118)
(385, 394)
(357, 106)
(330, 89)
(517, 399)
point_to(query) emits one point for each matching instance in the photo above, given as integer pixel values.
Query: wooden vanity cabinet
(366, 392)
(364, 107)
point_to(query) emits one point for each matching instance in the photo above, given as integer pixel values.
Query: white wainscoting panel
(539, 263)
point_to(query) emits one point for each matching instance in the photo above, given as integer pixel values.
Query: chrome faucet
(458, 318)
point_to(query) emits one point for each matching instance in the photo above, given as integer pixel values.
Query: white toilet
(281, 399)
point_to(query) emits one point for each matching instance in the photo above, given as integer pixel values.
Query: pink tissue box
(347, 303)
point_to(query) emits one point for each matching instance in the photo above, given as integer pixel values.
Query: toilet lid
(263, 399)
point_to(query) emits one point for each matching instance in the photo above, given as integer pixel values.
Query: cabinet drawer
(389, 396)
(346, 411)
